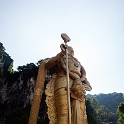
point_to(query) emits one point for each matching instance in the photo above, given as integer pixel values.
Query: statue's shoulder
(75, 59)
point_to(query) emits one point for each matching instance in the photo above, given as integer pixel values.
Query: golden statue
(65, 93)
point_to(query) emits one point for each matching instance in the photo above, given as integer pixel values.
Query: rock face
(18, 93)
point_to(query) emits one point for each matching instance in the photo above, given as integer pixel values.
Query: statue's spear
(67, 39)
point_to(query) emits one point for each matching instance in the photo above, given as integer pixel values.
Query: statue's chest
(72, 62)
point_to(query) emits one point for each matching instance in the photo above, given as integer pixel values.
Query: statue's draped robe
(56, 99)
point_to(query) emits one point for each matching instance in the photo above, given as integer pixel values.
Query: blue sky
(30, 31)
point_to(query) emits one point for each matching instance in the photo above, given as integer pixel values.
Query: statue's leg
(78, 112)
(61, 106)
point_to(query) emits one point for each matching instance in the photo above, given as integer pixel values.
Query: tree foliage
(91, 113)
(120, 111)
(6, 63)
(110, 101)
(102, 114)
(28, 71)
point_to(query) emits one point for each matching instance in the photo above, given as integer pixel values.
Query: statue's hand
(63, 48)
(82, 79)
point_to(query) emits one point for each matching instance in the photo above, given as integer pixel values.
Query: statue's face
(70, 51)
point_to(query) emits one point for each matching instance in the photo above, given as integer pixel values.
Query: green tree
(95, 104)
(102, 114)
(2, 49)
(28, 71)
(6, 63)
(120, 111)
(91, 113)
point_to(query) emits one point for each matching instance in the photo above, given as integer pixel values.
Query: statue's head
(70, 51)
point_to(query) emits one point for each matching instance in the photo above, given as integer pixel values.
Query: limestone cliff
(18, 93)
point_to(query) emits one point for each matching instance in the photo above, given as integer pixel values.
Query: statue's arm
(83, 73)
(54, 60)
(84, 79)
